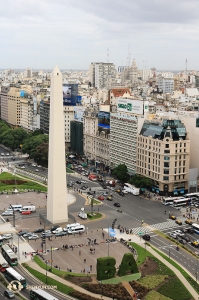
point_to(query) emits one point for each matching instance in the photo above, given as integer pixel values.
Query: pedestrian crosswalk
(159, 226)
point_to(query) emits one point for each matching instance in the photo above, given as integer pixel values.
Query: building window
(165, 177)
(167, 146)
(166, 151)
(166, 158)
(166, 171)
(166, 164)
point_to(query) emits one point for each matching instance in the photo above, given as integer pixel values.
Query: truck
(31, 208)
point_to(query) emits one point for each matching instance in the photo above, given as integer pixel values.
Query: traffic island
(94, 216)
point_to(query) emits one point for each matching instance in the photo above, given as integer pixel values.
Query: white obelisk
(57, 209)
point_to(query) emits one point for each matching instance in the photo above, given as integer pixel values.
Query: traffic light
(43, 238)
(113, 224)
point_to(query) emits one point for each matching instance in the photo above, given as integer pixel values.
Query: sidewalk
(34, 266)
(177, 272)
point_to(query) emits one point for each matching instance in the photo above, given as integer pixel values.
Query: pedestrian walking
(84, 260)
(91, 267)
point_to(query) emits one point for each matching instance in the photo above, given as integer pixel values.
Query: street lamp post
(13, 216)
(51, 259)
(46, 274)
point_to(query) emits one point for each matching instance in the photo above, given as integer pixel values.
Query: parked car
(62, 233)
(23, 167)
(33, 165)
(46, 232)
(84, 187)
(91, 192)
(7, 236)
(146, 237)
(78, 181)
(36, 170)
(7, 213)
(83, 181)
(190, 230)
(27, 234)
(117, 204)
(22, 232)
(7, 154)
(48, 235)
(2, 154)
(38, 230)
(101, 197)
(33, 237)
(53, 228)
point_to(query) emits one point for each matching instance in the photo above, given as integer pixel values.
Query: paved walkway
(33, 265)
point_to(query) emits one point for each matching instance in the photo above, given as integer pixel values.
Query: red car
(101, 198)
(27, 212)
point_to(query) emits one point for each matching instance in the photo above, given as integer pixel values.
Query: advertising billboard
(131, 106)
(78, 113)
(104, 119)
(70, 94)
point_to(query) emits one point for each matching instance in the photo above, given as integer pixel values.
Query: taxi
(118, 191)
(195, 244)
(110, 198)
(189, 222)
(172, 217)
(179, 222)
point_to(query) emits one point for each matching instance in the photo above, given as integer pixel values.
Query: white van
(31, 208)
(77, 229)
(16, 207)
(69, 226)
(59, 229)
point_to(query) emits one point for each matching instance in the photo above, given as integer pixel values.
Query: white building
(101, 74)
(166, 84)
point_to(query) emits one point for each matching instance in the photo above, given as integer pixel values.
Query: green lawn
(94, 216)
(60, 286)
(174, 289)
(27, 185)
(152, 281)
(142, 254)
(182, 271)
(152, 295)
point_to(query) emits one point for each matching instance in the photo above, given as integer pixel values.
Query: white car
(7, 236)
(23, 167)
(173, 235)
(33, 165)
(39, 166)
(36, 170)
(178, 232)
(7, 213)
(46, 232)
(125, 191)
(83, 181)
(7, 154)
(2, 154)
(33, 237)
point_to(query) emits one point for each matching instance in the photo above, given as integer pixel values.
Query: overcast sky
(73, 33)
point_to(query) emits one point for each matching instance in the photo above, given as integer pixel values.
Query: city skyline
(73, 34)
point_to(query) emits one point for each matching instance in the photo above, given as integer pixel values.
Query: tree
(41, 152)
(30, 144)
(13, 138)
(140, 181)
(121, 172)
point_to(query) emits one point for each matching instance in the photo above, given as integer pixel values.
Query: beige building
(96, 140)
(4, 103)
(163, 154)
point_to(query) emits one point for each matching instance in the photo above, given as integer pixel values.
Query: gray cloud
(72, 33)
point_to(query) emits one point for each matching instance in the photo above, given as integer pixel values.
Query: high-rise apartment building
(4, 103)
(101, 74)
(163, 152)
(166, 84)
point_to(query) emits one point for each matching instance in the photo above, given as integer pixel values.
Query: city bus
(9, 255)
(131, 189)
(182, 202)
(194, 196)
(38, 294)
(169, 200)
(3, 264)
(11, 275)
(195, 228)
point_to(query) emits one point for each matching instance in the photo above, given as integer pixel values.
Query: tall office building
(101, 74)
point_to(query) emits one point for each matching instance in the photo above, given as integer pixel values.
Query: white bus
(182, 202)
(195, 196)
(16, 207)
(169, 200)
(131, 189)
(195, 228)
(3, 263)
(11, 275)
(38, 294)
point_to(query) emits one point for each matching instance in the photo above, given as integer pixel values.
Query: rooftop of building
(174, 129)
